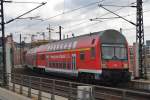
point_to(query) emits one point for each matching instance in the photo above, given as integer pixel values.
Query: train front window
(120, 53)
(107, 52)
(114, 52)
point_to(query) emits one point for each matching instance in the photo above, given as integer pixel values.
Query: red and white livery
(101, 55)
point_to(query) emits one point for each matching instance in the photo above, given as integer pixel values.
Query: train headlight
(104, 66)
(125, 65)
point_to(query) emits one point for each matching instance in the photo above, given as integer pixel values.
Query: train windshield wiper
(115, 57)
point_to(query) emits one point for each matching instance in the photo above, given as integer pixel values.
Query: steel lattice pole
(140, 37)
(3, 43)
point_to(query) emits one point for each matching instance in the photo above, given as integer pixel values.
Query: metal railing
(70, 90)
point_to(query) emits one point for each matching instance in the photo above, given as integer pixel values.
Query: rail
(29, 84)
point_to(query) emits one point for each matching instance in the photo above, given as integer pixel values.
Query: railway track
(67, 89)
(29, 72)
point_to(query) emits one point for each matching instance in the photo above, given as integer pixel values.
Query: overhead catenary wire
(102, 15)
(119, 6)
(6, 1)
(25, 13)
(86, 19)
(109, 19)
(116, 14)
(90, 4)
(122, 7)
(66, 12)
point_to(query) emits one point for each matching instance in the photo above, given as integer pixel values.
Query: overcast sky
(76, 22)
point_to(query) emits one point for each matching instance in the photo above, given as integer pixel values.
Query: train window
(47, 56)
(48, 48)
(58, 46)
(74, 44)
(69, 65)
(93, 41)
(64, 65)
(53, 65)
(49, 64)
(61, 46)
(60, 64)
(54, 47)
(82, 55)
(70, 45)
(93, 53)
(65, 46)
(57, 64)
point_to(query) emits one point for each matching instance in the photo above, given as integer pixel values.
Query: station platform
(9, 95)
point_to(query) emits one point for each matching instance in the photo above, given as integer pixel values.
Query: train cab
(114, 55)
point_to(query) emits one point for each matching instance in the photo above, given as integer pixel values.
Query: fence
(38, 87)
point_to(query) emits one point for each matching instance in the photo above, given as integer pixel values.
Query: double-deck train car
(100, 55)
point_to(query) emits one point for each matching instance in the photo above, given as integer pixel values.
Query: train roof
(83, 41)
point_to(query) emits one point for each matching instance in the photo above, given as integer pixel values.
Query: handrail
(60, 87)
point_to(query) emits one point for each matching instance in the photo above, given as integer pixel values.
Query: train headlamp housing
(104, 64)
(125, 65)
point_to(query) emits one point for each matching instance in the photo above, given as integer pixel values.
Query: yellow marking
(82, 49)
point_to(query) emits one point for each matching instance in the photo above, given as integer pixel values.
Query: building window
(82, 55)
(93, 53)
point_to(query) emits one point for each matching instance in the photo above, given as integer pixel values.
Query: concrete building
(134, 68)
(147, 58)
(8, 44)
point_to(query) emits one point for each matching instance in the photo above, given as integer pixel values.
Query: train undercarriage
(110, 77)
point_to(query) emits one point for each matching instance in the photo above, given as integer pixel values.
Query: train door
(73, 61)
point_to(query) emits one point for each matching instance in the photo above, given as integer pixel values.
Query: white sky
(71, 22)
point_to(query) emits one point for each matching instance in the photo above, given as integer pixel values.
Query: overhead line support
(3, 69)
(140, 38)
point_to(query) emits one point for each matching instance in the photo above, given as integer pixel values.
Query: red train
(101, 56)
